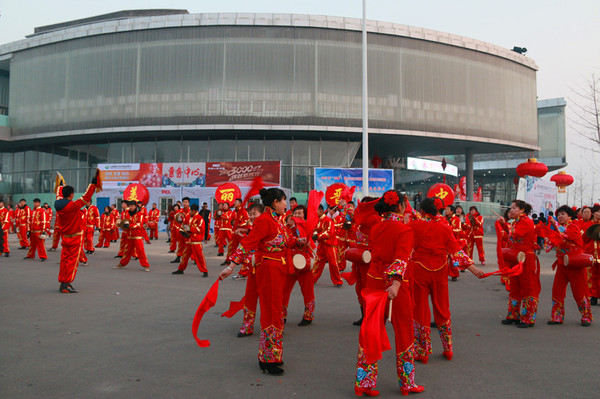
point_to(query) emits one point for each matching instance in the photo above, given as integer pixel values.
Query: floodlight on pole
(365, 108)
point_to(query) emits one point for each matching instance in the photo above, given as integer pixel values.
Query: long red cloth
(350, 277)
(257, 185)
(234, 307)
(373, 337)
(207, 303)
(513, 271)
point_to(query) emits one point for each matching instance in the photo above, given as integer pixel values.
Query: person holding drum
(524, 293)
(390, 272)
(568, 242)
(192, 232)
(107, 225)
(270, 240)
(592, 247)
(301, 259)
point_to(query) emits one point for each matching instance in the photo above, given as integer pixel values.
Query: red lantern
(443, 192)
(227, 193)
(562, 180)
(532, 168)
(136, 192)
(333, 194)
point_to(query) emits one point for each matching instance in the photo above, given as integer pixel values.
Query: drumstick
(390, 311)
(491, 210)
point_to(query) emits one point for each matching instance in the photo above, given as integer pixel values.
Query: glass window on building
(97, 153)
(195, 150)
(31, 161)
(45, 158)
(18, 161)
(286, 173)
(279, 150)
(222, 150)
(144, 151)
(30, 182)
(6, 166)
(168, 151)
(303, 178)
(307, 153)
(250, 150)
(119, 153)
(60, 158)
(334, 153)
(17, 184)
(78, 156)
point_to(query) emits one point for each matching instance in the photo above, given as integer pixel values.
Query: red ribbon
(207, 303)
(257, 185)
(350, 277)
(513, 271)
(373, 337)
(234, 307)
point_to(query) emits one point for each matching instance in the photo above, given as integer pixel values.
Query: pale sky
(561, 36)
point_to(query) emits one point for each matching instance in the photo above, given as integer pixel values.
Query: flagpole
(365, 108)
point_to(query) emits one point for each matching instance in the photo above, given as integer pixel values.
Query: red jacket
(475, 225)
(39, 220)
(326, 231)
(391, 247)
(69, 214)
(434, 241)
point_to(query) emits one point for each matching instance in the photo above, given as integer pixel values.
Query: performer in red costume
(251, 293)
(39, 225)
(116, 215)
(135, 238)
(22, 219)
(11, 213)
(225, 228)
(592, 247)
(92, 222)
(327, 249)
(153, 217)
(502, 234)
(107, 225)
(392, 245)
(193, 244)
(525, 288)
(343, 228)
(434, 242)
(303, 276)
(177, 220)
(568, 241)
(5, 224)
(239, 222)
(124, 232)
(474, 223)
(456, 225)
(270, 241)
(72, 221)
(217, 225)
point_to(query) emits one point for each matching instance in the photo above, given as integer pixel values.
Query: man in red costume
(475, 223)
(240, 221)
(72, 222)
(92, 222)
(153, 217)
(193, 244)
(39, 224)
(326, 251)
(123, 216)
(11, 213)
(5, 225)
(135, 238)
(23, 217)
(592, 247)
(116, 214)
(225, 228)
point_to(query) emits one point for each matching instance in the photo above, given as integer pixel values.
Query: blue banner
(380, 180)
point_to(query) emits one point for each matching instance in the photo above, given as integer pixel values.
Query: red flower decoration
(391, 198)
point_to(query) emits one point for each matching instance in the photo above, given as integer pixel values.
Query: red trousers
(250, 304)
(88, 241)
(471, 242)
(69, 258)
(123, 244)
(452, 270)
(224, 239)
(5, 247)
(326, 254)
(37, 244)
(22, 234)
(270, 277)
(193, 251)
(524, 291)
(432, 284)
(402, 322)
(235, 242)
(307, 287)
(361, 270)
(56, 237)
(175, 240)
(135, 247)
(593, 274)
(104, 239)
(115, 234)
(577, 279)
(153, 232)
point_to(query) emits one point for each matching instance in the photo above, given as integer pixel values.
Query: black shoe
(134, 258)
(270, 368)
(552, 322)
(220, 254)
(462, 271)
(338, 285)
(168, 241)
(510, 321)
(525, 325)
(226, 263)
(42, 259)
(67, 289)
(176, 260)
(148, 242)
(304, 322)
(454, 278)
(22, 247)
(205, 274)
(177, 272)
(432, 324)
(7, 254)
(585, 324)
(171, 252)
(27, 257)
(242, 335)
(593, 301)
(117, 256)
(216, 246)
(358, 322)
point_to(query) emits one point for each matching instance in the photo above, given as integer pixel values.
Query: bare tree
(585, 106)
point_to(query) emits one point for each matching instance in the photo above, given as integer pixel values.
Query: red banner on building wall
(242, 173)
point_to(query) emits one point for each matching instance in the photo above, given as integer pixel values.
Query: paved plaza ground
(127, 334)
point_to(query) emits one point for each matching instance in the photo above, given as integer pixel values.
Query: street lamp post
(365, 104)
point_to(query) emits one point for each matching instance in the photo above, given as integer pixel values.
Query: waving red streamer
(257, 185)
(207, 303)
(234, 307)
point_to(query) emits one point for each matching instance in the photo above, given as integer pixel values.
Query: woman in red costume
(502, 233)
(392, 244)
(592, 247)
(525, 288)
(456, 225)
(434, 242)
(474, 222)
(270, 240)
(303, 276)
(568, 241)
(107, 225)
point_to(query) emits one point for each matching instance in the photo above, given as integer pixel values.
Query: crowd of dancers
(401, 260)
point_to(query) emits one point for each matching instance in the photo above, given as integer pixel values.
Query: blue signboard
(380, 180)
